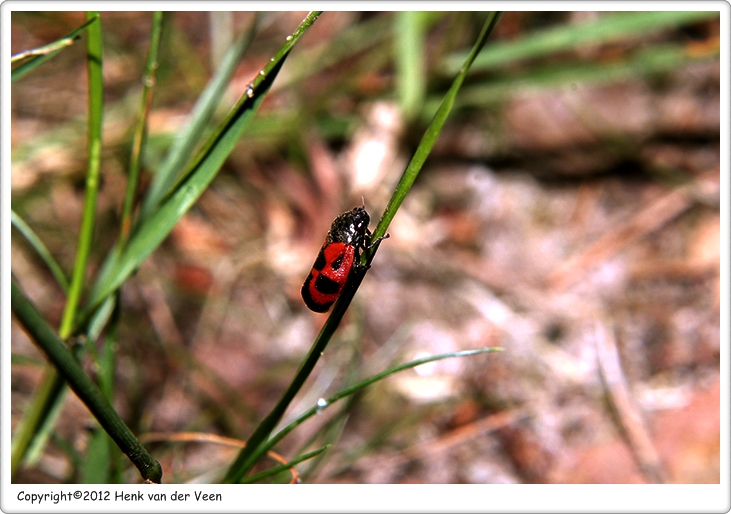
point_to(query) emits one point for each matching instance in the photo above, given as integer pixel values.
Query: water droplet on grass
(321, 404)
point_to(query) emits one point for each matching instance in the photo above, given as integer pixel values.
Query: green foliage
(126, 258)
(203, 145)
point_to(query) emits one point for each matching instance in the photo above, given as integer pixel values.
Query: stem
(257, 442)
(82, 385)
(140, 134)
(94, 136)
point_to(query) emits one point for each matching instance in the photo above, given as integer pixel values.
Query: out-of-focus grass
(267, 203)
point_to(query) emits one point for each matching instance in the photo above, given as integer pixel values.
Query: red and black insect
(339, 257)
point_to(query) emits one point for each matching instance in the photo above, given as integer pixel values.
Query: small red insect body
(338, 257)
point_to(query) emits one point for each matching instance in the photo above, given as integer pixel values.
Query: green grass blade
(38, 418)
(192, 184)
(96, 464)
(430, 137)
(99, 320)
(250, 453)
(42, 334)
(102, 458)
(651, 61)
(51, 411)
(409, 53)
(40, 249)
(186, 141)
(330, 434)
(284, 467)
(140, 133)
(45, 407)
(335, 427)
(37, 56)
(359, 386)
(94, 137)
(609, 28)
(346, 45)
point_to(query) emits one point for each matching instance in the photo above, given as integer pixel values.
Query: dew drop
(321, 404)
(250, 91)
(289, 38)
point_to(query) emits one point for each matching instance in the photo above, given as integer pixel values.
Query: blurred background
(569, 213)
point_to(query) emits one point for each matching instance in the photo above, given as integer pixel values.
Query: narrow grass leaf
(344, 46)
(284, 467)
(608, 28)
(193, 183)
(359, 386)
(182, 147)
(65, 362)
(431, 135)
(251, 452)
(95, 469)
(140, 132)
(45, 406)
(187, 139)
(37, 56)
(651, 61)
(94, 138)
(38, 420)
(40, 249)
(410, 59)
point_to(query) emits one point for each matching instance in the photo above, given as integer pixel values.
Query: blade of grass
(102, 463)
(343, 47)
(82, 385)
(359, 386)
(138, 140)
(410, 67)
(51, 411)
(608, 28)
(647, 62)
(39, 418)
(95, 468)
(335, 427)
(250, 453)
(331, 433)
(284, 467)
(94, 137)
(34, 427)
(185, 142)
(194, 181)
(40, 249)
(38, 56)
(45, 406)
(221, 25)
(430, 137)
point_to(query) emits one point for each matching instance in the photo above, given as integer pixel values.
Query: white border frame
(368, 498)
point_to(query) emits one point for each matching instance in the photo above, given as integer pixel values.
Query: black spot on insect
(320, 261)
(325, 285)
(337, 262)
